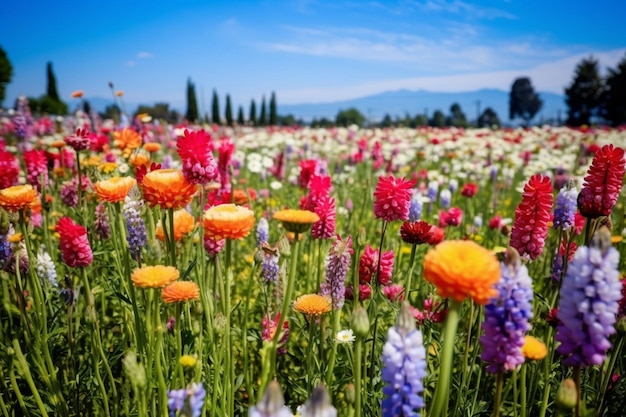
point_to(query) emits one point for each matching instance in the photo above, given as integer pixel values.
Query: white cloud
(144, 55)
(549, 77)
(460, 7)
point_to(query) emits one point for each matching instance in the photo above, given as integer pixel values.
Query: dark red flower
(73, 242)
(495, 222)
(307, 169)
(392, 198)
(532, 215)
(80, 141)
(416, 233)
(469, 190)
(437, 236)
(603, 182)
(9, 169)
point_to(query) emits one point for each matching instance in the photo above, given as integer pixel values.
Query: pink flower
(225, 155)
(212, 246)
(325, 227)
(392, 198)
(365, 292)
(368, 266)
(394, 292)
(452, 217)
(196, 153)
(36, 168)
(307, 169)
(74, 245)
(318, 186)
(9, 169)
(80, 141)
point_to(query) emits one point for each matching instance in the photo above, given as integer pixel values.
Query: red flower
(437, 236)
(225, 155)
(142, 170)
(80, 141)
(603, 183)
(318, 186)
(532, 215)
(365, 292)
(452, 217)
(469, 190)
(74, 245)
(416, 233)
(495, 222)
(325, 227)
(392, 198)
(36, 168)
(307, 169)
(368, 266)
(9, 169)
(196, 153)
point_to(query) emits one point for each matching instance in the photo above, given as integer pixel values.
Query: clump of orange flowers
(183, 224)
(157, 276)
(461, 269)
(167, 188)
(115, 189)
(18, 197)
(228, 221)
(180, 291)
(127, 140)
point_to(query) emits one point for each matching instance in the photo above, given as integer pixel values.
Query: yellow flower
(107, 167)
(114, 189)
(18, 197)
(312, 304)
(187, 361)
(183, 224)
(15, 238)
(461, 269)
(157, 276)
(167, 188)
(534, 348)
(228, 221)
(296, 221)
(616, 239)
(180, 291)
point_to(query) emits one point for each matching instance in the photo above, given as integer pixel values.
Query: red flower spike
(603, 182)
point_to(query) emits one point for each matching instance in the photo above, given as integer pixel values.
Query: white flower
(276, 185)
(345, 336)
(123, 168)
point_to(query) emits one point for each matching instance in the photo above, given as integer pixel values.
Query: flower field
(187, 270)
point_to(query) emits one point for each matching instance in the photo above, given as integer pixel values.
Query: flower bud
(360, 322)
(566, 395)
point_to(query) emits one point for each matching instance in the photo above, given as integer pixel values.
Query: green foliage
(112, 111)
(215, 109)
(252, 116)
(489, 118)
(438, 119)
(46, 105)
(192, 102)
(457, 117)
(273, 112)
(6, 73)
(351, 116)
(229, 111)
(51, 90)
(387, 121)
(323, 122)
(583, 94)
(613, 98)
(524, 102)
(263, 116)
(240, 119)
(159, 111)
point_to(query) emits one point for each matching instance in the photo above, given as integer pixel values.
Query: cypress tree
(240, 119)
(252, 117)
(263, 116)
(273, 114)
(192, 103)
(52, 83)
(229, 111)
(215, 109)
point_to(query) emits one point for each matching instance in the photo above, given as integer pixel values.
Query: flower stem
(498, 400)
(333, 352)
(25, 371)
(358, 353)
(578, 389)
(523, 412)
(442, 392)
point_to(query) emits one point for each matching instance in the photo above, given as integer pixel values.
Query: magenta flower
(392, 198)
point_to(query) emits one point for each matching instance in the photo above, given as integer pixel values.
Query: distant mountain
(401, 102)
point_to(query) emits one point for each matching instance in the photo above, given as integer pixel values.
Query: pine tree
(229, 111)
(523, 100)
(192, 103)
(263, 117)
(6, 73)
(215, 109)
(583, 95)
(613, 99)
(52, 84)
(240, 119)
(273, 114)
(252, 117)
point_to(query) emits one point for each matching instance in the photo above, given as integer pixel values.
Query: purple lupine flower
(565, 207)
(135, 226)
(23, 119)
(262, 232)
(270, 269)
(337, 265)
(453, 185)
(101, 223)
(272, 404)
(318, 405)
(589, 302)
(557, 267)
(507, 317)
(444, 198)
(433, 190)
(415, 209)
(5, 249)
(188, 401)
(404, 359)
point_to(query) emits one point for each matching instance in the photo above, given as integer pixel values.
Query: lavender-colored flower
(433, 190)
(415, 209)
(262, 232)
(272, 404)
(270, 269)
(565, 207)
(5, 249)
(318, 405)
(101, 223)
(589, 302)
(45, 267)
(557, 267)
(453, 185)
(507, 317)
(23, 119)
(444, 198)
(188, 401)
(404, 358)
(135, 226)
(337, 265)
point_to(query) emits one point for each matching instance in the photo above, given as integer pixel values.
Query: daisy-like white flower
(345, 336)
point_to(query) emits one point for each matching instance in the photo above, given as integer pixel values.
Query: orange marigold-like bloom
(139, 158)
(183, 224)
(312, 304)
(127, 140)
(167, 188)
(228, 221)
(152, 147)
(119, 93)
(114, 189)
(296, 221)
(461, 269)
(157, 276)
(534, 348)
(77, 94)
(17, 197)
(180, 291)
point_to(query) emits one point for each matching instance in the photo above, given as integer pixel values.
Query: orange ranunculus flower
(152, 147)
(127, 140)
(18, 197)
(139, 158)
(157, 276)
(167, 188)
(461, 269)
(534, 348)
(312, 304)
(180, 291)
(114, 189)
(119, 93)
(183, 224)
(77, 94)
(228, 221)
(296, 221)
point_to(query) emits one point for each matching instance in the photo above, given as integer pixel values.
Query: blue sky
(304, 50)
